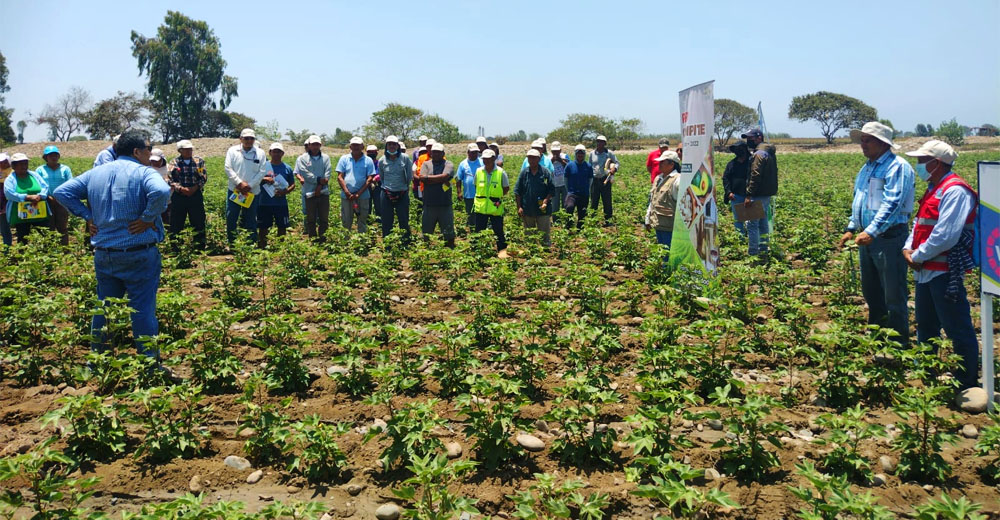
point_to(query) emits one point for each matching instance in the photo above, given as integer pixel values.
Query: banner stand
(988, 254)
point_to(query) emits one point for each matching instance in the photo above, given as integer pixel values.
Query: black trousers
(184, 208)
(495, 222)
(601, 192)
(579, 205)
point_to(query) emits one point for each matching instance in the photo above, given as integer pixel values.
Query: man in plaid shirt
(187, 178)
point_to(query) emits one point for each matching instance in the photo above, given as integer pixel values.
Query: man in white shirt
(245, 167)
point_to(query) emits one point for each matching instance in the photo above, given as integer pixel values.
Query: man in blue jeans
(939, 250)
(125, 198)
(762, 184)
(246, 165)
(883, 202)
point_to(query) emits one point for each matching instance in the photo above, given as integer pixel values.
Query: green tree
(184, 71)
(219, 123)
(66, 116)
(731, 117)
(833, 112)
(268, 131)
(114, 115)
(341, 137)
(6, 132)
(579, 128)
(442, 130)
(622, 131)
(395, 119)
(951, 132)
(518, 136)
(298, 137)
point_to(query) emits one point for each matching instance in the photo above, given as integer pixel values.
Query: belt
(141, 247)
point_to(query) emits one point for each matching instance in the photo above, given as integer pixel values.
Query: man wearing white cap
(245, 167)
(158, 162)
(559, 161)
(883, 202)
(397, 173)
(375, 208)
(496, 150)
(533, 194)
(355, 172)
(481, 144)
(278, 182)
(420, 149)
(466, 178)
(544, 160)
(605, 165)
(5, 170)
(435, 177)
(939, 249)
(418, 165)
(187, 177)
(491, 185)
(579, 177)
(312, 169)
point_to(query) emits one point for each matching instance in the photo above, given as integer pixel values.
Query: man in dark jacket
(734, 180)
(762, 184)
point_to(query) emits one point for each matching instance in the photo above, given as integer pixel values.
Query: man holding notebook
(762, 184)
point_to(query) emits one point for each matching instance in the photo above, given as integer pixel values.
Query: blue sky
(527, 64)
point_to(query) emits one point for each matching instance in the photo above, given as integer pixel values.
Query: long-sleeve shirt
(54, 178)
(245, 166)
(883, 195)
(105, 156)
(545, 162)
(578, 178)
(117, 193)
(312, 169)
(956, 203)
(734, 179)
(396, 172)
(12, 196)
(532, 188)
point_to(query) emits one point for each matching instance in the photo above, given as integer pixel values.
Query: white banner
(693, 240)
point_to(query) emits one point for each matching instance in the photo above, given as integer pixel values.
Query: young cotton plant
(847, 431)
(314, 449)
(923, 433)
(96, 430)
(546, 499)
(173, 418)
(670, 487)
(410, 431)
(947, 508)
(51, 494)
(746, 419)
(265, 419)
(988, 445)
(577, 409)
(491, 410)
(653, 433)
(428, 489)
(831, 498)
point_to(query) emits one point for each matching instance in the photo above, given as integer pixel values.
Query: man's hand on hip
(138, 226)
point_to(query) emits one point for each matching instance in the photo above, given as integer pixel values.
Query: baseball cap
(473, 148)
(541, 140)
(494, 143)
(430, 142)
(533, 153)
(669, 155)
(664, 141)
(248, 132)
(936, 149)
(4, 157)
(314, 139)
(489, 154)
(184, 144)
(18, 157)
(537, 143)
(877, 130)
(480, 139)
(357, 140)
(422, 138)
(437, 147)
(556, 146)
(754, 132)
(601, 138)
(371, 147)
(580, 148)
(155, 152)
(555, 143)
(391, 139)
(50, 149)
(276, 146)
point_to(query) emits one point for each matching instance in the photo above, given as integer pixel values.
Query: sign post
(988, 231)
(696, 215)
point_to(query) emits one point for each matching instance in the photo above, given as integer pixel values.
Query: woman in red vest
(939, 249)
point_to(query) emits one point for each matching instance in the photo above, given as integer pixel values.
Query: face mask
(393, 154)
(187, 161)
(922, 172)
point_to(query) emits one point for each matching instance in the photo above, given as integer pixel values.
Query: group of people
(126, 203)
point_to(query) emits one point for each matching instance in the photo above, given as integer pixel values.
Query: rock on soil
(354, 489)
(237, 463)
(255, 477)
(195, 485)
(970, 431)
(388, 511)
(972, 400)
(879, 480)
(887, 463)
(454, 450)
(530, 442)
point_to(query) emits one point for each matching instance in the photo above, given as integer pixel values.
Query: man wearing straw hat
(880, 212)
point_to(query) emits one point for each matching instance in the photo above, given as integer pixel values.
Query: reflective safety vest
(489, 192)
(927, 217)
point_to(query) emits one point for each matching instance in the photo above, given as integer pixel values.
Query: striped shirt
(118, 192)
(883, 195)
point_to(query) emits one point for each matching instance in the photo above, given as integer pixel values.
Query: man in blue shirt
(579, 175)
(55, 174)
(108, 154)
(396, 171)
(883, 202)
(124, 201)
(278, 181)
(466, 178)
(355, 172)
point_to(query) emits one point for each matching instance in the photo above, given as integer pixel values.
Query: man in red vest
(939, 250)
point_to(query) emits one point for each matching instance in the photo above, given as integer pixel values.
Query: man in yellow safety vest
(491, 185)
